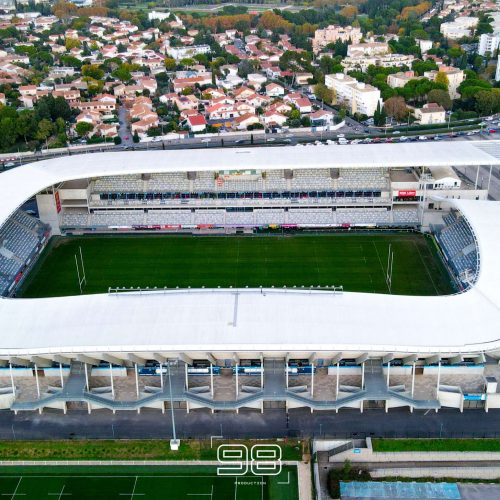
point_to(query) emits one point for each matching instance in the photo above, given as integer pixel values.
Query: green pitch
(356, 261)
(143, 483)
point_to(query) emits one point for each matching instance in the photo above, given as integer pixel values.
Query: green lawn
(393, 445)
(137, 449)
(143, 483)
(356, 261)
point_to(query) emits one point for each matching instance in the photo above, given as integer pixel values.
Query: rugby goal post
(82, 278)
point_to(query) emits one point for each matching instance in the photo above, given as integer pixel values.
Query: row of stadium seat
(307, 179)
(78, 218)
(20, 237)
(458, 244)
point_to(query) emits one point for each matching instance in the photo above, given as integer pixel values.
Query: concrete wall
(48, 211)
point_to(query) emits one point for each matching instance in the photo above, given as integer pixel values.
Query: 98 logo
(260, 459)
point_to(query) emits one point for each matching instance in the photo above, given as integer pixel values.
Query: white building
(430, 113)
(455, 78)
(359, 97)
(367, 49)
(333, 33)
(425, 45)
(497, 74)
(179, 53)
(462, 26)
(398, 80)
(361, 63)
(489, 42)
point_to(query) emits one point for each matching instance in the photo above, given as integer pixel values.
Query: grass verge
(429, 445)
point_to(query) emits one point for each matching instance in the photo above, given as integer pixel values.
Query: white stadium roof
(272, 320)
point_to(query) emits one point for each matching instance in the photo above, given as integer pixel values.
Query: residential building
(425, 45)
(322, 37)
(497, 74)
(455, 78)
(274, 90)
(459, 28)
(179, 53)
(358, 96)
(367, 49)
(430, 113)
(361, 63)
(489, 42)
(196, 123)
(398, 80)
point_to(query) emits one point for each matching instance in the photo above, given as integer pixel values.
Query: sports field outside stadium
(358, 262)
(143, 483)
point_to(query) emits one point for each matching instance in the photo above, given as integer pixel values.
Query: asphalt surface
(102, 424)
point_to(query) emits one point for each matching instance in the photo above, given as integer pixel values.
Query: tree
(488, 102)
(395, 107)
(379, 116)
(83, 128)
(44, 130)
(442, 78)
(323, 93)
(170, 64)
(135, 137)
(93, 71)
(440, 97)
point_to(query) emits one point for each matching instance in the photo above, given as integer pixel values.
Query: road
(124, 129)
(102, 424)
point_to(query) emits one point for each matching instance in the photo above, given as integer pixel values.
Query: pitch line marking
(426, 268)
(60, 494)
(133, 494)
(15, 494)
(288, 481)
(381, 266)
(211, 494)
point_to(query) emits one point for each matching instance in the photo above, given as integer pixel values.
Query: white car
(422, 138)
(343, 141)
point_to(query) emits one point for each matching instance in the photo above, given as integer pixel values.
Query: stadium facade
(259, 338)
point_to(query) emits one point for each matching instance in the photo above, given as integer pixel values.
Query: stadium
(321, 277)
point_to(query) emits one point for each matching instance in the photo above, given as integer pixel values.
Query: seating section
(274, 180)
(366, 216)
(311, 179)
(311, 216)
(457, 241)
(405, 215)
(363, 178)
(20, 238)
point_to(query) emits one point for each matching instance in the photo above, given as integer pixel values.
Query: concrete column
(338, 381)
(212, 379)
(439, 378)
(362, 375)
(312, 380)
(413, 381)
(61, 375)
(37, 383)
(161, 376)
(187, 379)
(136, 380)
(12, 379)
(111, 377)
(237, 388)
(388, 372)
(286, 374)
(262, 376)
(86, 376)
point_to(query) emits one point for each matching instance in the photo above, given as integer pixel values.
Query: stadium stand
(363, 178)
(459, 246)
(255, 197)
(20, 239)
